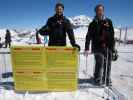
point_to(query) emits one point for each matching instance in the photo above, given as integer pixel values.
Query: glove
(76, 46)
(114, 55)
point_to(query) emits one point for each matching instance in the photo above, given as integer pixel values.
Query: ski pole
(86, 66)
(106, 58)
(4, 58)
(106, 72)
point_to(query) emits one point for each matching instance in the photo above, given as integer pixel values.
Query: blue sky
(34, 13)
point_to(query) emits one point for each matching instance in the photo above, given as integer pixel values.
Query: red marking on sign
(17, 48)
(69, 49)
(20, 72)
(35, 48)
(36, 72)
(51, 48)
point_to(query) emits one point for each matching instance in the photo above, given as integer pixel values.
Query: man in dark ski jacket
(38, 40)
(101, 35)
(7, 39)
(1, 43)
(57, 27)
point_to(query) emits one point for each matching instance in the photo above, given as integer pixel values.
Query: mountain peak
(81, 20)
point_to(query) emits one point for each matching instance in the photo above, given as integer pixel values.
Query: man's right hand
(86, 53)
(77, 46)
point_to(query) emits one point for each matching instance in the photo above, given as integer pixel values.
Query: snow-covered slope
(19, 36)
(3, 32)
(80, 25)
(121, 70)
(84, 21)
(79, 21)
(130, 34)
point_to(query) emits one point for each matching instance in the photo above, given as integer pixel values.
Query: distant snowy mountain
(3, 32)
(121, 70)
(80, 24)
(19, 36)
(79, 21)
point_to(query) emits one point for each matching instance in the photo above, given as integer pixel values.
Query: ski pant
(103, 66)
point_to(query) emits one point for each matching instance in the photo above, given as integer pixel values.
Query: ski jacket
(57, 28)
(8, 37)
(101, 35)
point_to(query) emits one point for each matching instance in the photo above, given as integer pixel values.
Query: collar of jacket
(96, 18)
(59, 17)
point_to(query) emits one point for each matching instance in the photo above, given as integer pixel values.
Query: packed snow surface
(122, 70)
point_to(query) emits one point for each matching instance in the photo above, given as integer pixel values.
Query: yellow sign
(61, 68)
(36, 68)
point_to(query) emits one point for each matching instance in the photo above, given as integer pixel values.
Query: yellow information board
(36, 68)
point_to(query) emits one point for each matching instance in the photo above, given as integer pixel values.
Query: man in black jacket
(101, 34)
(8, 39)
(1, 43)
(57, 27)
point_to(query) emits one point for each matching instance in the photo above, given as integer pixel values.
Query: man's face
(100, 11)
(59, 10)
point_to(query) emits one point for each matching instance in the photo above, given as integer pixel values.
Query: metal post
(4, 60)
(120, 36)
(86, 66)
(106, 66)
(125, 38)
(106, 71)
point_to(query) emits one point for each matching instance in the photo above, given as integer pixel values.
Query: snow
(121, 76)
(122, 70)
(79, 21)
(49, 96)
(130, 34)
